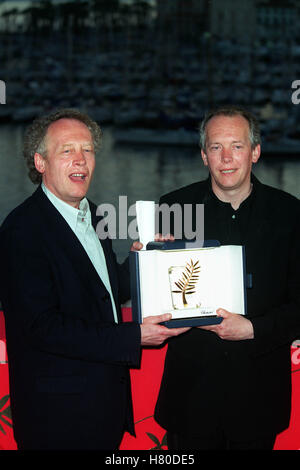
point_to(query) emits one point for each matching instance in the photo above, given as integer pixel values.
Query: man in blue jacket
(61, 290)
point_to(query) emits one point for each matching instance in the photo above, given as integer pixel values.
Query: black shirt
(230, 224)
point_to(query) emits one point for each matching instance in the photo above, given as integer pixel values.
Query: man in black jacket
(61, 290)
(228, 386)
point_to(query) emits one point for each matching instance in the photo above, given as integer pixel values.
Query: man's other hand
(234, 327)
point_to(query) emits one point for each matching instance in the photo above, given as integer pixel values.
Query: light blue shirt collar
(72, 215)
(79, 221)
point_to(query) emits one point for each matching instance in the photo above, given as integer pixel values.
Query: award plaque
(190, 283)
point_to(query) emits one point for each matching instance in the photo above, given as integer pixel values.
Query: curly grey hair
(35, 137)
(231, 111)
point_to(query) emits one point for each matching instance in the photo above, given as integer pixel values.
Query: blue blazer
(68, 360)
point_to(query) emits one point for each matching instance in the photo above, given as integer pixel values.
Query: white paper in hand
(145, 216)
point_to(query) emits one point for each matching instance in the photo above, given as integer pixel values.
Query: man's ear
(204, 158)
(256, 154)
(39, 162)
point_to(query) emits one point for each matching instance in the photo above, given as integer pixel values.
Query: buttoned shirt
(230, 225)
(79, 221)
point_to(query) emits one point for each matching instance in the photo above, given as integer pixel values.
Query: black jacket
(242, 386)
(68, 360)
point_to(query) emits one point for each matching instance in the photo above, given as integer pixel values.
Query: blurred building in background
(153, 64)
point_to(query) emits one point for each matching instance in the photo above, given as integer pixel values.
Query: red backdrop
(145, 386)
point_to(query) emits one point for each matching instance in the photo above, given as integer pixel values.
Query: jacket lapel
(110, 259)
(57, 229)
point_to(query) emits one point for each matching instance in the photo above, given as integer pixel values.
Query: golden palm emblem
(187, 283)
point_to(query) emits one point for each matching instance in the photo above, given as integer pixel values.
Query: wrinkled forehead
(67, 125)
(67, 130)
